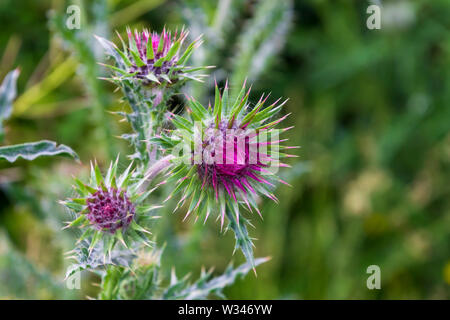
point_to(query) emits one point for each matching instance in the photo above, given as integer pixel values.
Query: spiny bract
(111, 209)
(231, 153)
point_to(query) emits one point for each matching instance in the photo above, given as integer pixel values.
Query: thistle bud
(153, 59)
(111, 209)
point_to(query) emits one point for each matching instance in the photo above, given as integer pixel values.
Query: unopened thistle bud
(111, 209)
(154, 59)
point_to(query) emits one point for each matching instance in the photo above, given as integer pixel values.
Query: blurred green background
(371, 110)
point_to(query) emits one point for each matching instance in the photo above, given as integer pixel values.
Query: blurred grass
(371, 113)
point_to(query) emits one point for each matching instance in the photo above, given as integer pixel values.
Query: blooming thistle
(227, 157)
(154, 59)
(111, 209)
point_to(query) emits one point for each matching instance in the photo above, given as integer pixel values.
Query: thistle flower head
(154, 59)
(231, 153)
(110, 209)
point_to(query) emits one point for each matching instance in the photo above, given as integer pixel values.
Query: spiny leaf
(32, 150)
(205, 285)
(97, 257)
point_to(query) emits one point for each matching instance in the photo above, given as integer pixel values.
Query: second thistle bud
(110, 209)
(150, 57)
(153, 59)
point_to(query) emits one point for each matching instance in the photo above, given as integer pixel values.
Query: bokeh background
(371, 114)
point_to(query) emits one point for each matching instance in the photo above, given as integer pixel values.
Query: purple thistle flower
(237, 167)
(110, 209)
(234, 154)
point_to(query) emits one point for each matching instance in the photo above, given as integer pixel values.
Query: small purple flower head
(153, 59)
(110, 209)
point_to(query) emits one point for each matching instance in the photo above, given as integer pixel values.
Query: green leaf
(205, 285)
(32, 150)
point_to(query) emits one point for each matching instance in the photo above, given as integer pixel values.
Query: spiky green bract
(156, 60)
(247, 169)
(111, 210)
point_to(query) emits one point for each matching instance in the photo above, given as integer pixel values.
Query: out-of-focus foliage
(29, 150)
(371, 114)
(7, 95)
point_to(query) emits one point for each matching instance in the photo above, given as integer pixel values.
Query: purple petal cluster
(240, 159)
(109, 210)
